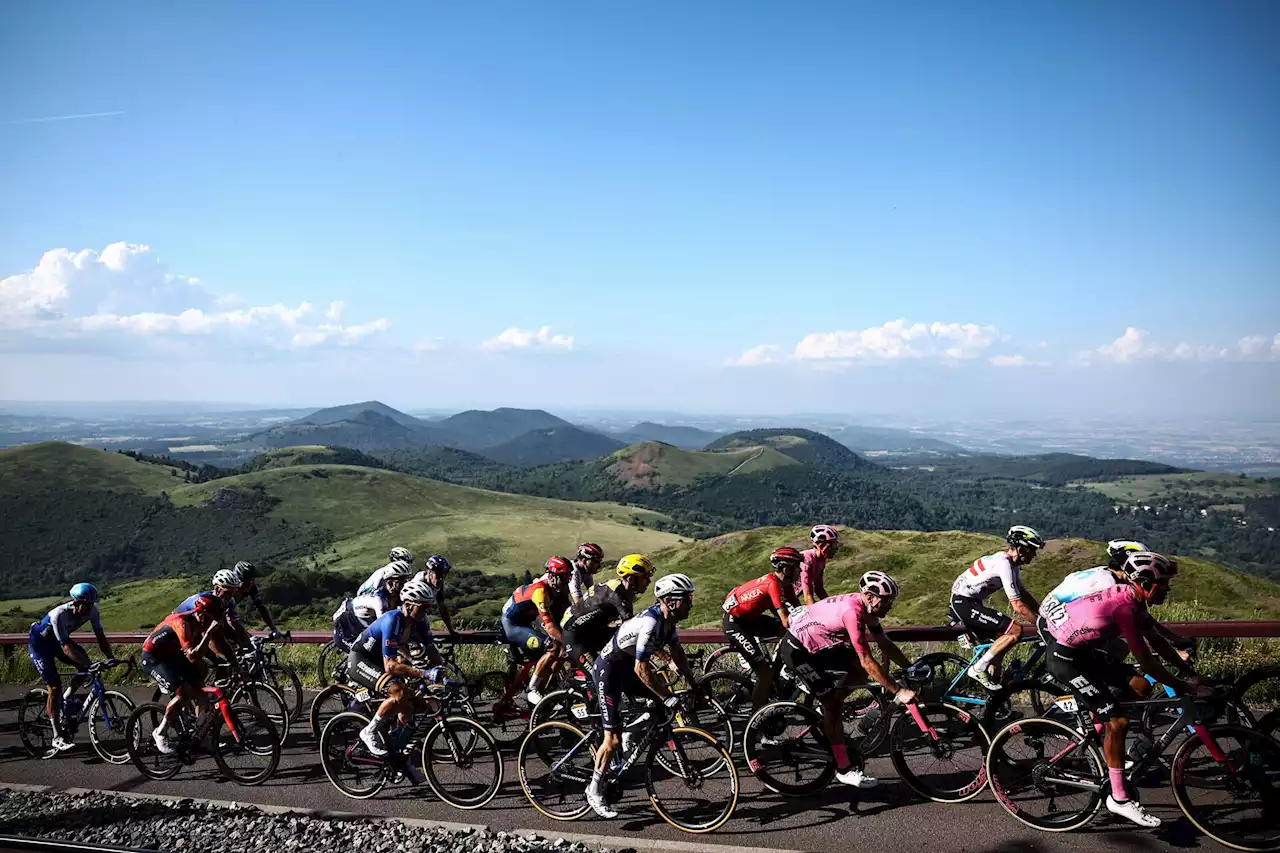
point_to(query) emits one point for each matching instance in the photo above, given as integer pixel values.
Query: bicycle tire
(255, 735)
(560, 705)
(149, 760)
(956, 729)
(721, 705)
(1244, 684)
(331, 666)
(1008, 705)
(809, 742)
(1256, 748)
(479, 751)
(693, 778)
(1269, 725)
(943, 667)
(1001, 766)
(562, 794)
(262, 695)
(115, 709)
(724, 659)
(329, 702)
(34, 727)
(339, 744)
(286, 682)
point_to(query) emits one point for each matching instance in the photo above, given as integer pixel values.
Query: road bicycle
(262, 663)
(345, 696)
(1050, 774)
(944, 676)
(689, 776)
(104, 710)
(242, 738)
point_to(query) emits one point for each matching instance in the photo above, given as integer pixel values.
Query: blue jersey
(390, 631)
(190, 605)
(59, 622)
(639, 637)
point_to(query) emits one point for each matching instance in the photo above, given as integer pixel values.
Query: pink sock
(1117, 784)
(842, 757)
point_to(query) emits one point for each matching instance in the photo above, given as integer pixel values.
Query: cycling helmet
(439, 564)
(1149, 567)
(418, 592)
(785, 558)
(245, 570)
(85, 592)
(590, 551)
(227, 577)
(558, 566)
(208, 605)
(1118, 550)
(398, 553)
(673, 585)
(824, 533)
(399, 569)
(635, 564)
(878, 583)
(1020, 535)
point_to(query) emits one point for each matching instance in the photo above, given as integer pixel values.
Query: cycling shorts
(744, 637)
(45, 652)
(366, 670)
(529, 640)
(821, 672)
(579, 645)
(978, 619)
(613, 681)
(1095, 678)
(172, 673)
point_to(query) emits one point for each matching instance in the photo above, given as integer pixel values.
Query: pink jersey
(1113, 611)
(812, 565)
(835, 621)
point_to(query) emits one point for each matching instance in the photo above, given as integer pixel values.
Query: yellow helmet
(635, 564)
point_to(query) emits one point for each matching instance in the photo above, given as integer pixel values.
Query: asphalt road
(887, 818)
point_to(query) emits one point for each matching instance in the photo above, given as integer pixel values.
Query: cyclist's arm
(872, 666)
(1023, 603)
(1181, 645)
(539, 599)
(446, 618)
(681, 660)
(392, 664)
(263, 611)
(891, 649)
(1155, 635)
(103, 642)
(777, 601)
(1128, 622)
(819, 588)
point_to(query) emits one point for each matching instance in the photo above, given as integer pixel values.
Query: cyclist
(589, 623)
(171, 655)
(1078, 622)
(978, 582)
(227, 585)
(1118, 550)
(758, 609)
(624, 666)
(249, 588)
(360, 612)
(49, 641)
(826, 541)
(585, 565)
(376, 663)
(397, 554)
(437, 569)
(542, 601)
(826, 647)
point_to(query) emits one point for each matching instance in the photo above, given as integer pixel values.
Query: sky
(745, 207)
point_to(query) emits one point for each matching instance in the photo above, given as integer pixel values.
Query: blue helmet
(438, 564)
(85, 592)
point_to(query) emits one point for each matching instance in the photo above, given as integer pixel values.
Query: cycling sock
(597, 776)
(842, 757)
(66, 695)
(985, 661)
(1117, 784)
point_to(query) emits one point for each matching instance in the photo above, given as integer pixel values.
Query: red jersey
(177, 632)
(755, 598)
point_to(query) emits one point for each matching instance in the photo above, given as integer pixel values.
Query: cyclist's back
(640, 636)
(60, 622)
(589, 624)
(835, 621)
(1095, 612)
(188, 605)
(529, 605)
(382, 639)
(356, 614)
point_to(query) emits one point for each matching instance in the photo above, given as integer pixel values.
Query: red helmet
(590, 551)
(558, 566)
(208, 605)
(785, 558)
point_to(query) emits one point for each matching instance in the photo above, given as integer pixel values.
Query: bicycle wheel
(1269, 725)
(555, 765)
(940, 671)
(1023, 700)
(1256, 692)
(695, 786)
(720, 706)
(724, 659)
(139, 742)
(947, 765)
(334, 699)
(866, 717)
(462, 763)
(107, 719)
(285, 680)
(785, 748)
(346, 762)
(33, 722)
(248, 751)
(1235, 802)
(262, 695)
(564, 705)
(331, 668)
(1046, 775)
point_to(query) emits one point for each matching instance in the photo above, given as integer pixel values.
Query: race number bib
(1055, 612)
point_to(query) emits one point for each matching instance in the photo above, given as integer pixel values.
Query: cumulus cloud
(1015, 361)
(762, 354)
(896, 340)
(125, 290)
(1136, 345)
(543, 340)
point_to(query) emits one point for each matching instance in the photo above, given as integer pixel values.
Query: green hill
(353, 410)
(652, 463)
(367, 429)
(479, 429)
(802, 445)
(687, 437)
(553, 444)
(57, 465)
(311, 454)
(925, 564)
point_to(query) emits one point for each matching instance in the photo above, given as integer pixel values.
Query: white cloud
(1136, 345)
(757, 355)
(896, 340)
(1015, 361)
(543, 339)
(125, 290)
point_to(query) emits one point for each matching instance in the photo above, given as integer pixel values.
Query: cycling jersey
(60, 622)
(986, 575)
(755, 598)
(1088, 610)
(389, 632)
(835, 621)
(602, 607)
(640, 636)
(581, 581)
(377, 579)
(535, 600)
(438, 586)
(812, 567)
(356, 614)
(233, 617)
(178, 632)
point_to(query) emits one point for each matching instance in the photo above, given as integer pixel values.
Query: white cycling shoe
(374, 741)
(162, 742)
(599, 804)
(857, 779)
(1132, 810)
(984, 678)
(533, 697)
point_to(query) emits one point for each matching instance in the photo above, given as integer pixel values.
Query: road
(887, 818)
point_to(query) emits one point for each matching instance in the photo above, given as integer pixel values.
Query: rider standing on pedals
(809, 586)
(49, 641)
(376, 661)
(1079, 621)
(531, 624)
(826, 647)
(758, 610)
(585, 565)
(397, 555)
(978, 582)
(434, 574)
(623, 666)
(589, 623)
(356, 614)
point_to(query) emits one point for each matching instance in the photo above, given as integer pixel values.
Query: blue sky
(730, 206)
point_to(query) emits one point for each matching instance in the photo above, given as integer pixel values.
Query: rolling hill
(477, 429)
(440, 463)
(868, 439)
(802, 445)
(685, 437)
(367, 429)
(352, 410)
(654, 463)
(313, 454)
(553, 444)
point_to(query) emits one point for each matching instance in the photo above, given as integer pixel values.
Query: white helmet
(878, 583)
(417, 592)
(399, 569)
(673, 585)
(398, 553)
(227, 577)
(824, 533)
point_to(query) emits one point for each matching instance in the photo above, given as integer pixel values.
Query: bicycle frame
(951, 695)
(97, 689)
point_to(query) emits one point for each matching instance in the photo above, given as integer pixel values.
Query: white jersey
(376, 580)
(988, 574)
(642, 635)
(367, 608)
(580, 582)
(59, 622)
(1078, 585)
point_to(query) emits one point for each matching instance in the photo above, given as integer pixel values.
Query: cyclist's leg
(742, 638)
(989, 625)
(547, 663)
(822, 675)
(526, 643)
(609, 680)
(44, 657)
